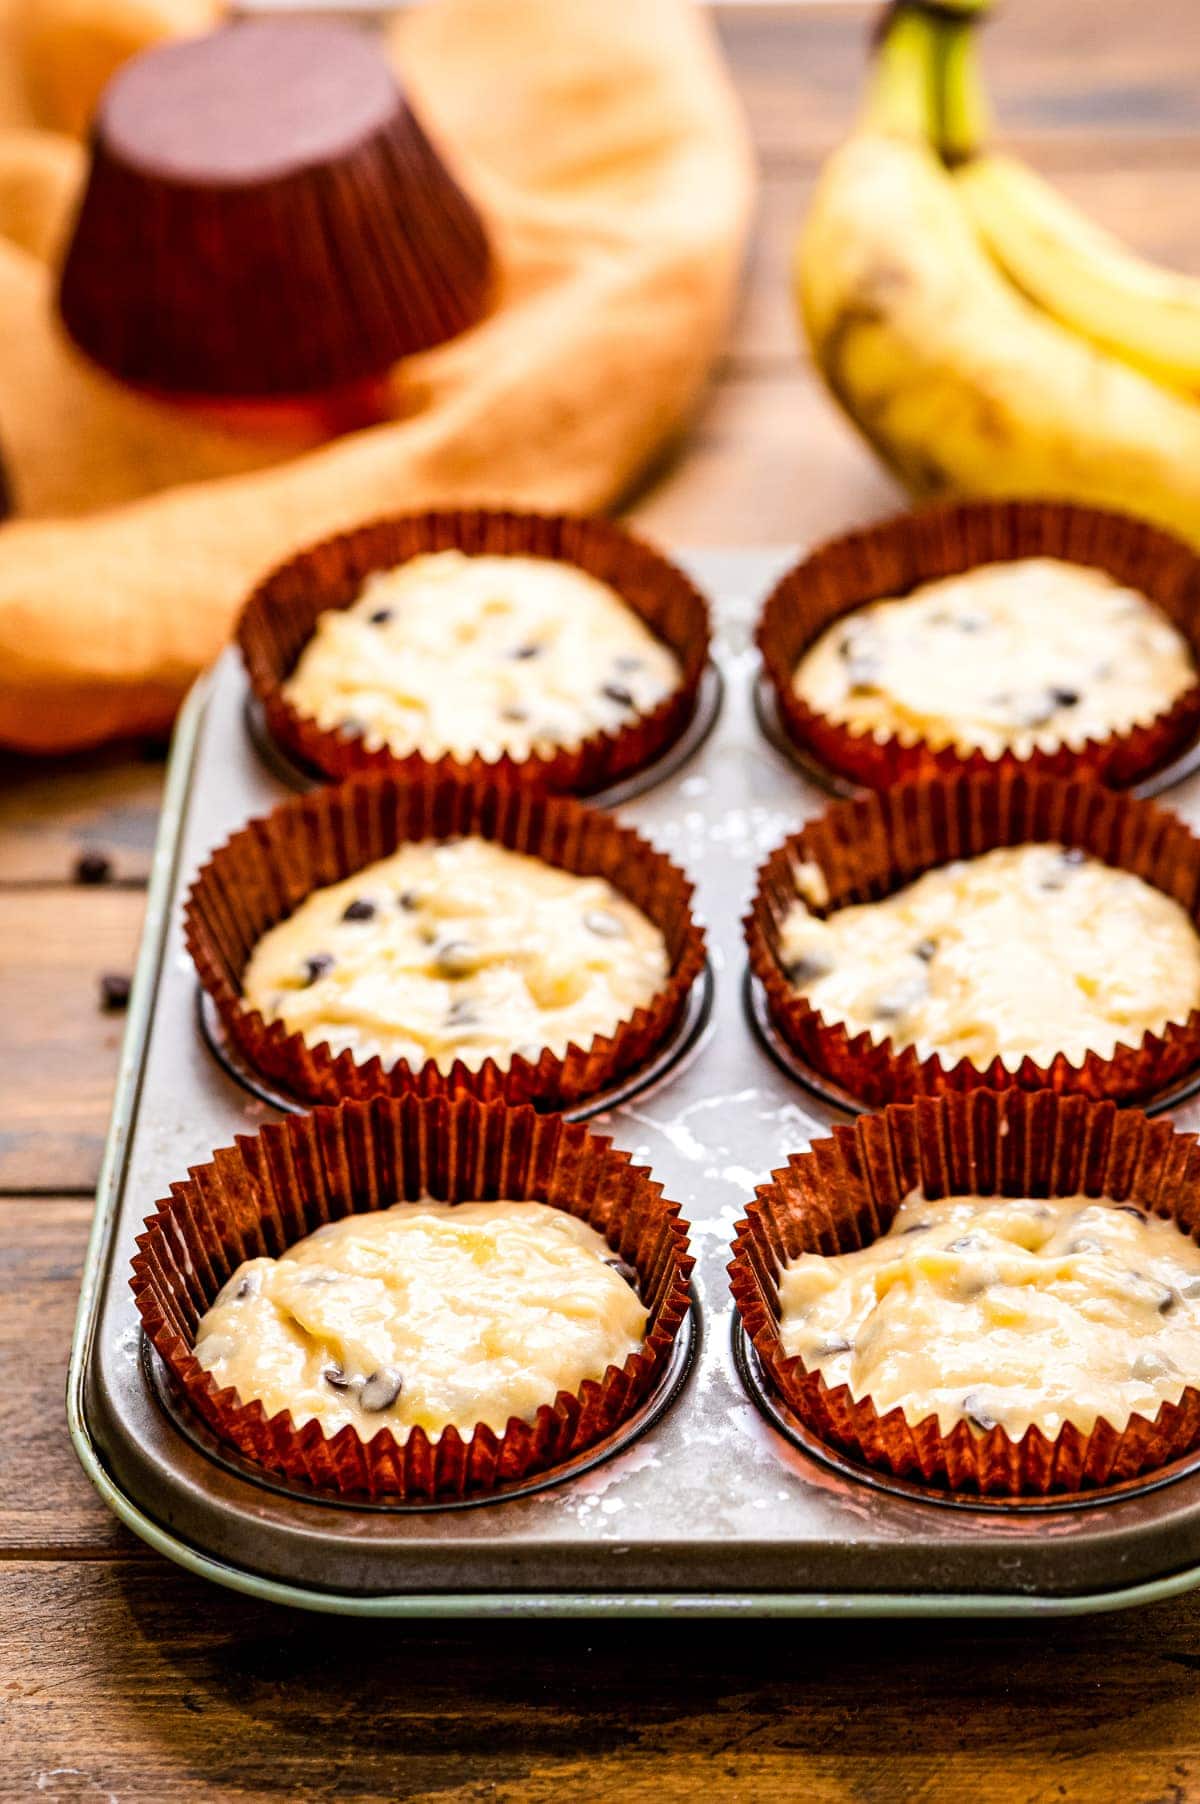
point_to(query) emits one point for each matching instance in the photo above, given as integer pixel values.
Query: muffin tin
(716, 1505)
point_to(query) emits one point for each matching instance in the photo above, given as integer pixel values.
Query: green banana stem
(926, 81)
(963, 113)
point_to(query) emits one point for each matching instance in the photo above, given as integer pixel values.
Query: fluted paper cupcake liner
(277, 1186)
(875, 844)
(844, 1193)
(281, 615)
(305, 279)
(898, 555)
(260, 876)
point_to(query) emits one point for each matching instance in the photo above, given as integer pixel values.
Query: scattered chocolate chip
(114, 992)
(92, 867)
(380, 1389)
(336, 1378)
(517, 715)
(978, 1414)
(607, 926)
(836, 1343)
(1065, 698)
(250, 1286)
(409, 900)
(316, 966)
(455, 958)
(617, 692)
(1169, 1302)
(380, 617)
(624, 1270)
(359, 910)
(918, 1227)
(924, 950)
(462, 1013)
(1132, 1209)
(807, 968)
(522, 652)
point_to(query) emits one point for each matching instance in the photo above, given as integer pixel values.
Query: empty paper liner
(264, 216)
(261, 875)
(278, 1186)
(281, 615)
(868, 847)
(844, 1192)
(899, 555)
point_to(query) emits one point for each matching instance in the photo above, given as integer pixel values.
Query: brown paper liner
(279, 1185)
(914, 548)
(281, 615)
(874, 844)
(261, 875)
(844, 1192)
(309, 276)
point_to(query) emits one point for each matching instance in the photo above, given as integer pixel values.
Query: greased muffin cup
(844, 1192)
(280, 617)
(868, 847)
(275, 1187)
(900, 554)
(265, 870)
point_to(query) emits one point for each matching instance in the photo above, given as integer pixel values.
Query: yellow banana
(1081, 274)
(962, 384)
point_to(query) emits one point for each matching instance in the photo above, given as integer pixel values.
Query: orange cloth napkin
(602, 141)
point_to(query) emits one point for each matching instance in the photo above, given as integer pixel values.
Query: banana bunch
(985, 337)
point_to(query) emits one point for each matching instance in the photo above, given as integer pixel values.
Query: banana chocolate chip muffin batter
(425, 1315)
(1004, 1311)
(1021, 656)
(453, 655)
(1026, 951)
(457, 949)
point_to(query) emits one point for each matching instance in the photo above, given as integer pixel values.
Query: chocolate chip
(607, 926)
(966, 1243)
(380, 1389)
(522, 652)
(1067, 861)
(336, 1378)
(1065, 698)
(114, 992)
(92, 867)
(624, 1270)
(409, 900)
(1132, 1209)
(455, 958)
(359, 910)
(380, 617)
(836, 1343)
(517, 715)
(617, 692)
(977, 1412)
(462, 1013)
(1169, 1302)
(807, 968)
(918, 1227)
(924, 950)
(317, 965)
(250, 1286)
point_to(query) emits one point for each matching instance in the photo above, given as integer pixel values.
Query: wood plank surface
(122, 1678)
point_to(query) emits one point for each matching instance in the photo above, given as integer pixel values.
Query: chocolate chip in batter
(807, 968)
(966, 1243)
(455, 958)
(607, 926)
(1065, 698)
(624, 1270)
(521, 652)
(359, 910)
(409, 900)
(1144, 1289)
(978, 1413)
(462, 1013)
(516, 715)
(1132, 1209)
(317, 965)
(250, 1286)
(836, 1343)
(924, 950)
(380, 617)
(918, 1227)
(336, 1378)
(380, 1389)
(617, 692)
(1062, 867)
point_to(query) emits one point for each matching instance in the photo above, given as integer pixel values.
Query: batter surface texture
(454, 655)
(1025, 951)
(1033, 654)
(457, 949)
(425, 1315)
(1005, 1311)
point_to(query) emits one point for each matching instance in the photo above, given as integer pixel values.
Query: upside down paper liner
(281, 615)
(844, 1192)
(874, 844)
(281, 1184)
(264, 871)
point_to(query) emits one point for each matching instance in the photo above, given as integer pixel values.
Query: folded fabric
(603, 143)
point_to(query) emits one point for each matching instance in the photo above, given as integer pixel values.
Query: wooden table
(122, 1678)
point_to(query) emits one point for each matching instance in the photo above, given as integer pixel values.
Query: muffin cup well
(281, 615)
(867, 848)
(261, 875)
(277, 1186)
(844, 1192)
(900, 554)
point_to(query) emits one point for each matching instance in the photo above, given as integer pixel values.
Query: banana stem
(901, 100)
(926, 82)
(962, 110)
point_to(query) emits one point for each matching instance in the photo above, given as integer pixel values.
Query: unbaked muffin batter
(1030, 654)
(1027, 950)
(425, 1315)
(1005, 1311)
(449, 654)
(457, 949)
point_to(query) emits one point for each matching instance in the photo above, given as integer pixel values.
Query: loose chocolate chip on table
(977, 1412)
(924, 950)
(380, 617)
(617, 692)
(380, 1389)
(624, 1270)
(317, 965)
(114, 992)
(456, 958)
(359, 910)
(93, 867)
(607, 926)
(336, 1378)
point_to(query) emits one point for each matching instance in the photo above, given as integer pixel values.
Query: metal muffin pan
(713, 1505)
